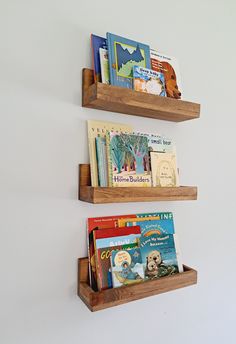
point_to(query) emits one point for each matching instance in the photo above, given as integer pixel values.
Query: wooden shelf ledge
(122, 100)
(96, 301)
(90, 194)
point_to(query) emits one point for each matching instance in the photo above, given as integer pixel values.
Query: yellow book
(99, 128)
(164, 169)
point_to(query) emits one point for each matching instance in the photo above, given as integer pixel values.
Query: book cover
(102, 161)
(158, 143)
(105, 77)
(164, 169)
(122, 222)
(98, 129)
(126, 267)
(148, 81)
(97, 42)
(103, 264)
(159, 256)
(158, 227)
(170, 68)
(117, 240)
(109, 237)
(128, 160)
(123, 54)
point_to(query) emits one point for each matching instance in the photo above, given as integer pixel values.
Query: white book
(103, 53)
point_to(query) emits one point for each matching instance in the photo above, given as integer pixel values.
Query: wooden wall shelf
(96, 301)
(90, 194)
(117, 99)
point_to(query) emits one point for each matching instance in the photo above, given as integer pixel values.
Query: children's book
(97, 42)
(164, 169)
(98, 129)
(103, 264)
(128, 160)
(122, 222)
(126, 267)
(158, 227)
(105, 77)
(113, 236)
(158, 143)
(123, 54)
(159, 256)
(102, 161)
(148, 81)
(170, 68)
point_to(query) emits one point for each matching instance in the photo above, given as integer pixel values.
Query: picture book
(98, 129)
(128, 160)
(102, 161)
(158, 227)
(170, 68)
(97, 42)
(164, 169)
(117, 240)
(159, 256)
(158, 143)
(126, 267)
(105, 77)
(148, 81)
(107, 237)
(94, 224)
(123, 54)
(103, 264)
(122, 222)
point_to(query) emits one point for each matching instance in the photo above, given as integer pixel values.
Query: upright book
(98, 129)
(170, 68)
(164, 169)
(160, 256)
(105, 74)
(128, 160)
(151, 227)
(97, 42)
(123, 54)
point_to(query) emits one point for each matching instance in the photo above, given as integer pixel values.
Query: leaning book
(128, 160)
(123, 54)
(164, 169)
(149, 81)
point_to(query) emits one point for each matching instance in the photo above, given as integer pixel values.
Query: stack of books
(120, 157)
(126, 63)
(132, 248)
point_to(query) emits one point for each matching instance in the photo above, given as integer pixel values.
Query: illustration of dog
(172, 89)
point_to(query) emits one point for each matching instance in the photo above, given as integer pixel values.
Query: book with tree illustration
(123, 54)
(164, 169)
(128, 160)
(98, 129)
(126, 267)
(160, 256)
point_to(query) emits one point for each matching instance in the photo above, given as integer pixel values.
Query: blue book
(160, 256)
(102, 161)
(123, 54)
(157, 227)
(96, 43)
(126, 267)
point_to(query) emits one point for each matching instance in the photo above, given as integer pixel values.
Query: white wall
(43, 47)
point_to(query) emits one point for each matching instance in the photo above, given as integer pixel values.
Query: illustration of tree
(129, 159)
(117, 152)
(137, 146)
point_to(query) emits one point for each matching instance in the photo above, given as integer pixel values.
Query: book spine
(109, 160)
(92, 155)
